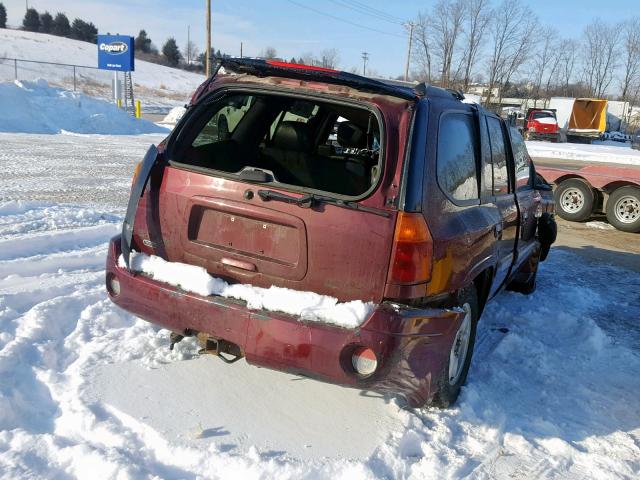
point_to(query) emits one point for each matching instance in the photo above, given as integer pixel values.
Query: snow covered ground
(612, 152)
(89, 391)
(157, 86)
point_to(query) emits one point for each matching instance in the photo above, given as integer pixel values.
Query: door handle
(497, 230)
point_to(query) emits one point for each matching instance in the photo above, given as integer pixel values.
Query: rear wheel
(574, 200)
(623, 209)
(454, 375)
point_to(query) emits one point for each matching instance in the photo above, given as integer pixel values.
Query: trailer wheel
(574, 200)
(623, 209)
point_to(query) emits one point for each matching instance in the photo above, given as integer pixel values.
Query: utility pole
(189, 44)
(410, 25)
(208, 52)
(365, 57)
(240, 49)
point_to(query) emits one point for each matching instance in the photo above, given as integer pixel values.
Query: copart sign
(115, 52)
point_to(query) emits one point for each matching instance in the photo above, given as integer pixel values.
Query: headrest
(351, 136)
(292, 136)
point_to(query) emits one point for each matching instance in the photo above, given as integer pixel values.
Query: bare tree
(269, 53)
(631, 57)
(511, 28)
(424, 46)
(544, 62)
(190, 51)
(600, 47)
(330, 58)
(447, 24)
(567, 63)
(476, 19)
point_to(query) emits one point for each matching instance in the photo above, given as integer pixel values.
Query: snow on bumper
(411, 345)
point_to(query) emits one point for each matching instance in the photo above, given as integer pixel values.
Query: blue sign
(115, 52)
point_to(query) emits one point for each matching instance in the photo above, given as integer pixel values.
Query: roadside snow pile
(174, 116)
(88, 391)
(35, 107)
(621, 153)
(306, 305)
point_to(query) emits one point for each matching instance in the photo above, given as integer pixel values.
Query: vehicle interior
(302, 143)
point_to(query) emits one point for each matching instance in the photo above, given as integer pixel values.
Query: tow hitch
(226, 351)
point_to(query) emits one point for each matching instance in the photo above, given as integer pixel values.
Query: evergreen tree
(171, 52)
(61, 25)
(293, 60)
(31, 21)
(143, 42)
(46, 22)
(81, 30)
(3, 16)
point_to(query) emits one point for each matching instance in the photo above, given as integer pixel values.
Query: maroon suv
(388, 215)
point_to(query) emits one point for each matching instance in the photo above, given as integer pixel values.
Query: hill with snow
(157, 86)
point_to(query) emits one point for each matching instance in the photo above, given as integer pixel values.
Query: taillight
(412, 250)
(136, 172)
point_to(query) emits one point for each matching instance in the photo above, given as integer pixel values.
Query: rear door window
(457, 156)
(521, 160)
(498, 156)
(299, 143)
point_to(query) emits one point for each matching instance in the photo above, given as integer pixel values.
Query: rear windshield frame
(196, 113)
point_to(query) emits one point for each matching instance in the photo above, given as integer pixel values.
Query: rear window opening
(303, 143)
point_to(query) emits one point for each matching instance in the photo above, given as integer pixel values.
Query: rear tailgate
(332, 250)
(223, 225)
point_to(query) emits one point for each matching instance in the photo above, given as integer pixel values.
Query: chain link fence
(89, 80)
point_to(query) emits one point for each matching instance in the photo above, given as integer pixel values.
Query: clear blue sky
(293, 30)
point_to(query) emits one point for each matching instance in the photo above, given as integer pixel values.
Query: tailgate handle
(232, 262)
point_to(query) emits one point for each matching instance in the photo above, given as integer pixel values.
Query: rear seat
(293, 158)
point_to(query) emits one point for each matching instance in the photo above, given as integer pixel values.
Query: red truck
(541, 124)
(582, 189)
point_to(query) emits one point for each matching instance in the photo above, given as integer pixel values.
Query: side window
(456, 164)
(521, 160)
(224, 121)
(498, 156)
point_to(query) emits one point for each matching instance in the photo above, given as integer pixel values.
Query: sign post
(116, 53)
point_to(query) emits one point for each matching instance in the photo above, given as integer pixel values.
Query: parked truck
(582, 120)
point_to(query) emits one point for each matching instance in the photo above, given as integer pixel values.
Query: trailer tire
(623, 209)
(574, 200)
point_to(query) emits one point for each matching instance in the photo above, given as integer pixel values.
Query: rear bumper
(412, 345)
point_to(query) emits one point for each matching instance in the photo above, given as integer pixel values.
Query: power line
(320, 12)
(368, 11)
(374, 11)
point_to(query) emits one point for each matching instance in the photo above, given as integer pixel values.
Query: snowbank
(306, 305)
(36, 107)
(621, 153)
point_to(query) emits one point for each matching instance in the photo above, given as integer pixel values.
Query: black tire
(574, 200)
(447, 392)
(624, 204)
